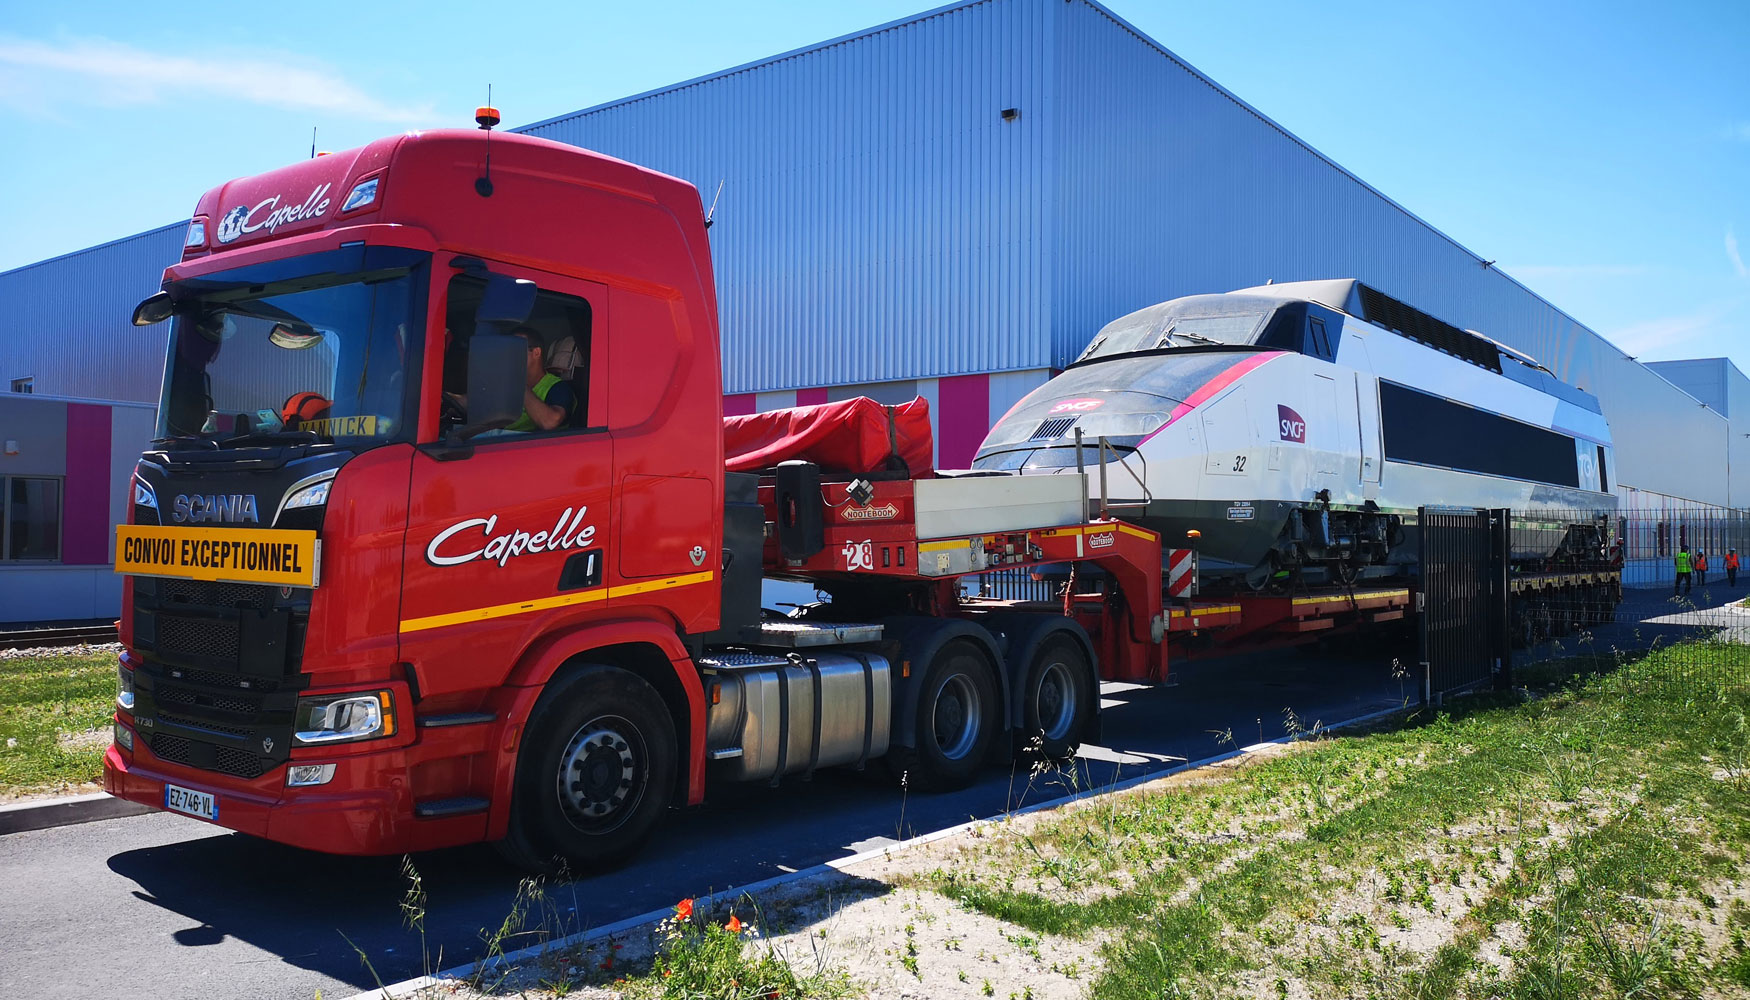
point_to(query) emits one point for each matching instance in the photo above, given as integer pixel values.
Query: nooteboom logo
(269, 214)
(1290, 424)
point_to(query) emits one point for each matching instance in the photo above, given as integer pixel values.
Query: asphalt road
(172, 907)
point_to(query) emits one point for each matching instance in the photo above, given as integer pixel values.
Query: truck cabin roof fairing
(423, 184)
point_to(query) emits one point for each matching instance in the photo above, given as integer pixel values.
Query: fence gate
(1463, 600)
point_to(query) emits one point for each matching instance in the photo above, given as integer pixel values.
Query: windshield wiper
(1200, 339)
(271, 437)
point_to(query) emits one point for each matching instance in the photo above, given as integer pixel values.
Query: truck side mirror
(154, 308)
(498, 366)
(505, 303)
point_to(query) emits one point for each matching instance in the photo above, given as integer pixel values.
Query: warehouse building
(952, 204)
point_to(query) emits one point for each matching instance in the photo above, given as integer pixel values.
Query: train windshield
(1193, 321)
(1122, 400)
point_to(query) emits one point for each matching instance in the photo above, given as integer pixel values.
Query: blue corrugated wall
(879, 219)
(68, 319)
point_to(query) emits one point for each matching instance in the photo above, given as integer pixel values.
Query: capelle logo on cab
(241, 220)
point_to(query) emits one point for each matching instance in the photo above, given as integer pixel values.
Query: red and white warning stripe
(1181, 572)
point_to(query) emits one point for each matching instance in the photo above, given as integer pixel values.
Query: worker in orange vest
(1732, 567)
(1700, 565)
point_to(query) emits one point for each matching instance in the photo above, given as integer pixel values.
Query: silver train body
(1290, 433)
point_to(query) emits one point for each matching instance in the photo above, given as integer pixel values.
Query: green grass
(43, 697)
(1569, 845)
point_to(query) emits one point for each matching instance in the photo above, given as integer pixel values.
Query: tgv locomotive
(1293, 430)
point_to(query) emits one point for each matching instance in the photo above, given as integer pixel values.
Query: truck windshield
(321, 349)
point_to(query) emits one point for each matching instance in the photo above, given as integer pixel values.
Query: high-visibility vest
(1682, 562)
(542, 388)
(1731, 560)
(1701, 562)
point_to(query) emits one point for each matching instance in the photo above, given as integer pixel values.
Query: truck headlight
(314, 495)
(124, 689)
(124, 737)
(345, 717)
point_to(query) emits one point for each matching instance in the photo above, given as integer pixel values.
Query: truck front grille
(225, 760)
(215, 595)
(197, 637)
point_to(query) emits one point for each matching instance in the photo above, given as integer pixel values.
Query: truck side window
(562, 324)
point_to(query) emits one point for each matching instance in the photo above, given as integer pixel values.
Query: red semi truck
(365, 612)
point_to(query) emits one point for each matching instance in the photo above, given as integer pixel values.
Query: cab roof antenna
(712, 211)
(486, 117)
(312, 142)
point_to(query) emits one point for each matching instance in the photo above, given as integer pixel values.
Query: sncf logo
(1293, 428)
(1077, 406)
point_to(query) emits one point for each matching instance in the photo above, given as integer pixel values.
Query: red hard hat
(304, 406)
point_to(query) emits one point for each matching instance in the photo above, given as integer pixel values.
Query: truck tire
(1057, 699)
(957, 713)
(595, 773)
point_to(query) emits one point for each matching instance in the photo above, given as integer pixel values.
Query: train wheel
(957, 713)
(1057, 700)
(596, 773)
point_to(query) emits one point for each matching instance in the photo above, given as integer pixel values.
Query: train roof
(1369, 304)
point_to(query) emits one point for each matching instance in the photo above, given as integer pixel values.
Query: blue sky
(1599, 151)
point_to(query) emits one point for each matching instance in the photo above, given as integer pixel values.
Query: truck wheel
(1057, 699)
(596, 773)
(956, 718)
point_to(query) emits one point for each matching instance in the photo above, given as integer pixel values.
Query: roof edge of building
(926, 15)
(96, 246)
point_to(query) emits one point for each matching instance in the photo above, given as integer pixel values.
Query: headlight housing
(124, 689)
(344, 718)
(313, 495)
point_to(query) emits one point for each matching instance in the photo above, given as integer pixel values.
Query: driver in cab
(548, 400)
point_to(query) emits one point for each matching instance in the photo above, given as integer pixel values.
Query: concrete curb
(398, 991)
(46, 814)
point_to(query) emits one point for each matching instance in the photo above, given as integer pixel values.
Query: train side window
(1321, 344)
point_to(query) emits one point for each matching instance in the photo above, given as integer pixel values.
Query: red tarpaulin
(854, 435)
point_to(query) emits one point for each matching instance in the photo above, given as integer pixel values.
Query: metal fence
(1650, 541)
(1699, 640)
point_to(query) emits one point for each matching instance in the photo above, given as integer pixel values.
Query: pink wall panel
(85, 508)
(964, 405)
(810, 397)
(739, 405)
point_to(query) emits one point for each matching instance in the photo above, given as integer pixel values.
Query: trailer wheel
(1056, 701)
(596, 773)
(957, 713)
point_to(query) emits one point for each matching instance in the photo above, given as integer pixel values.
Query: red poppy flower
(684, 909)
(734, 924)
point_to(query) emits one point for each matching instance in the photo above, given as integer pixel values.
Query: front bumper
(368, 808)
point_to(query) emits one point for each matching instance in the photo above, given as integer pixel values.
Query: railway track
(72, 636)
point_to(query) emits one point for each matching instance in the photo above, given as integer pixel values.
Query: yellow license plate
(228, 555)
